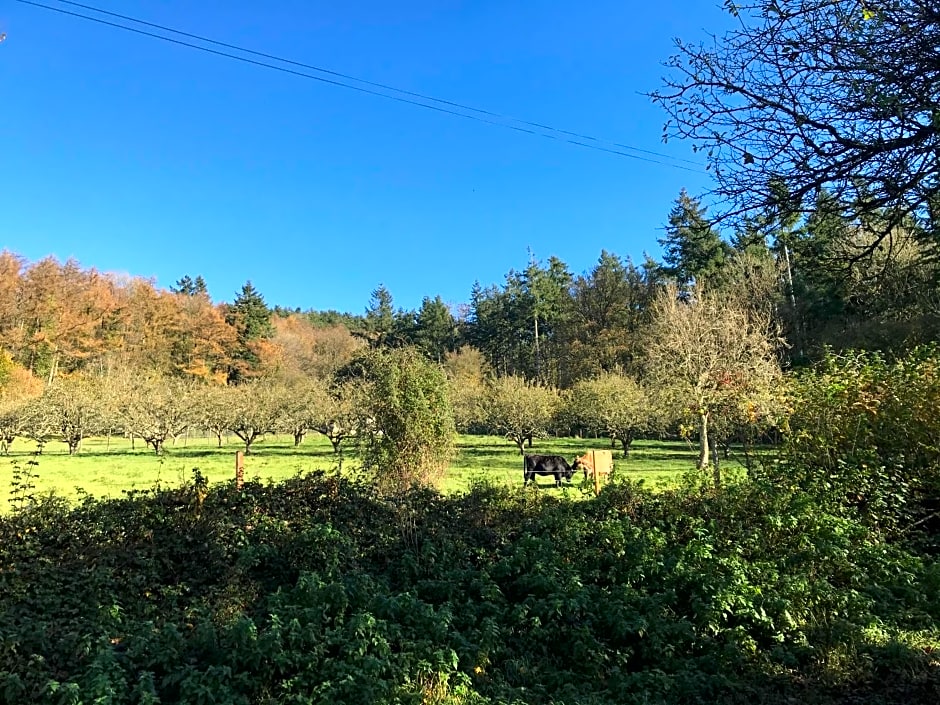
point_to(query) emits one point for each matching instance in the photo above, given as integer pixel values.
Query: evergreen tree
(692, 249)
(190, 287)
(250, 316)
(434, 328)
(381, 322)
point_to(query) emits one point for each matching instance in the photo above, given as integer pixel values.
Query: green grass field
(108, 467)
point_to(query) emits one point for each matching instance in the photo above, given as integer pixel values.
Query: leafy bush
(321, 590)
(867, 431)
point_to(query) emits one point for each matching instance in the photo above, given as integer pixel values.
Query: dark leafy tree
(546, 298)
(491, 329)
(812, 94)
(382, 324)
(610, 306)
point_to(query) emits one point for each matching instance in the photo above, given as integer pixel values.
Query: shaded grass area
(108, 467)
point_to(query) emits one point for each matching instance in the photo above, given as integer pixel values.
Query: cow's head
(584, 462)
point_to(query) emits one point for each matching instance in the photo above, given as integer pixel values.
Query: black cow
(546, 465)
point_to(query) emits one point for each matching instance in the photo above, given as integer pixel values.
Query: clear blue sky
(137, 156)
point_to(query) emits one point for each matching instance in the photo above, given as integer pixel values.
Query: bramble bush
(323, 590)
(866, 431)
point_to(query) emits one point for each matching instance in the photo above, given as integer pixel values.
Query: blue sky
(137, 156)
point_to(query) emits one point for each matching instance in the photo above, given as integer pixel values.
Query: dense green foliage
(406, 423)
(320, 591)
(866, 431)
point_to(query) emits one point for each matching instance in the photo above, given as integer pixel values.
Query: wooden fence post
(239, 469)
(597, 479)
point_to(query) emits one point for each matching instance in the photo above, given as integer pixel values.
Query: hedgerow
(322, 590)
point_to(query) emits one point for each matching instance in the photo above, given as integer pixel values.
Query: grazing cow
(585, 461)
(546, 465)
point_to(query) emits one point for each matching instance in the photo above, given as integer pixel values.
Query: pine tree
(692, 249)
(250, 316)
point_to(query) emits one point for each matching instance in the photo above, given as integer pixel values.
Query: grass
(106, 467)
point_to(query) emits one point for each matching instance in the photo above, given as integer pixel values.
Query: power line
(491, 118)
(374, 84)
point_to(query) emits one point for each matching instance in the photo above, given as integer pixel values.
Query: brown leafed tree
(201, 341)
(17, 388)
(708, 354)
(63, 309)
(313, 350)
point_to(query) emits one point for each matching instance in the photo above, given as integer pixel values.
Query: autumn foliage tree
(708, 354)
(17, 388)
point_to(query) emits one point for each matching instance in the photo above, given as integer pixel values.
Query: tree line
(694, 344)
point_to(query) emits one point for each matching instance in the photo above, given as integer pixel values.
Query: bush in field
(519, 409)
(406, 426)
(867, 430)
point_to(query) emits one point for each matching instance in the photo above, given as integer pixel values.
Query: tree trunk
(703, 459)
(218, 434)
(529, 440)
(626, 442)
(335, 441)
(73, 445)
(157, 444)
(716, 468)
(520, 441)
(299, 437)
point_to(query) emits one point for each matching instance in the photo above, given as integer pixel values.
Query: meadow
(107, 467)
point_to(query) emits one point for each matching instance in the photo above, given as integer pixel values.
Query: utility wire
(574, 138)
(383, 86)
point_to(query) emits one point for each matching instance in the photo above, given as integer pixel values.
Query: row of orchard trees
(393, 403)
(707, 367)
(157, 408)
